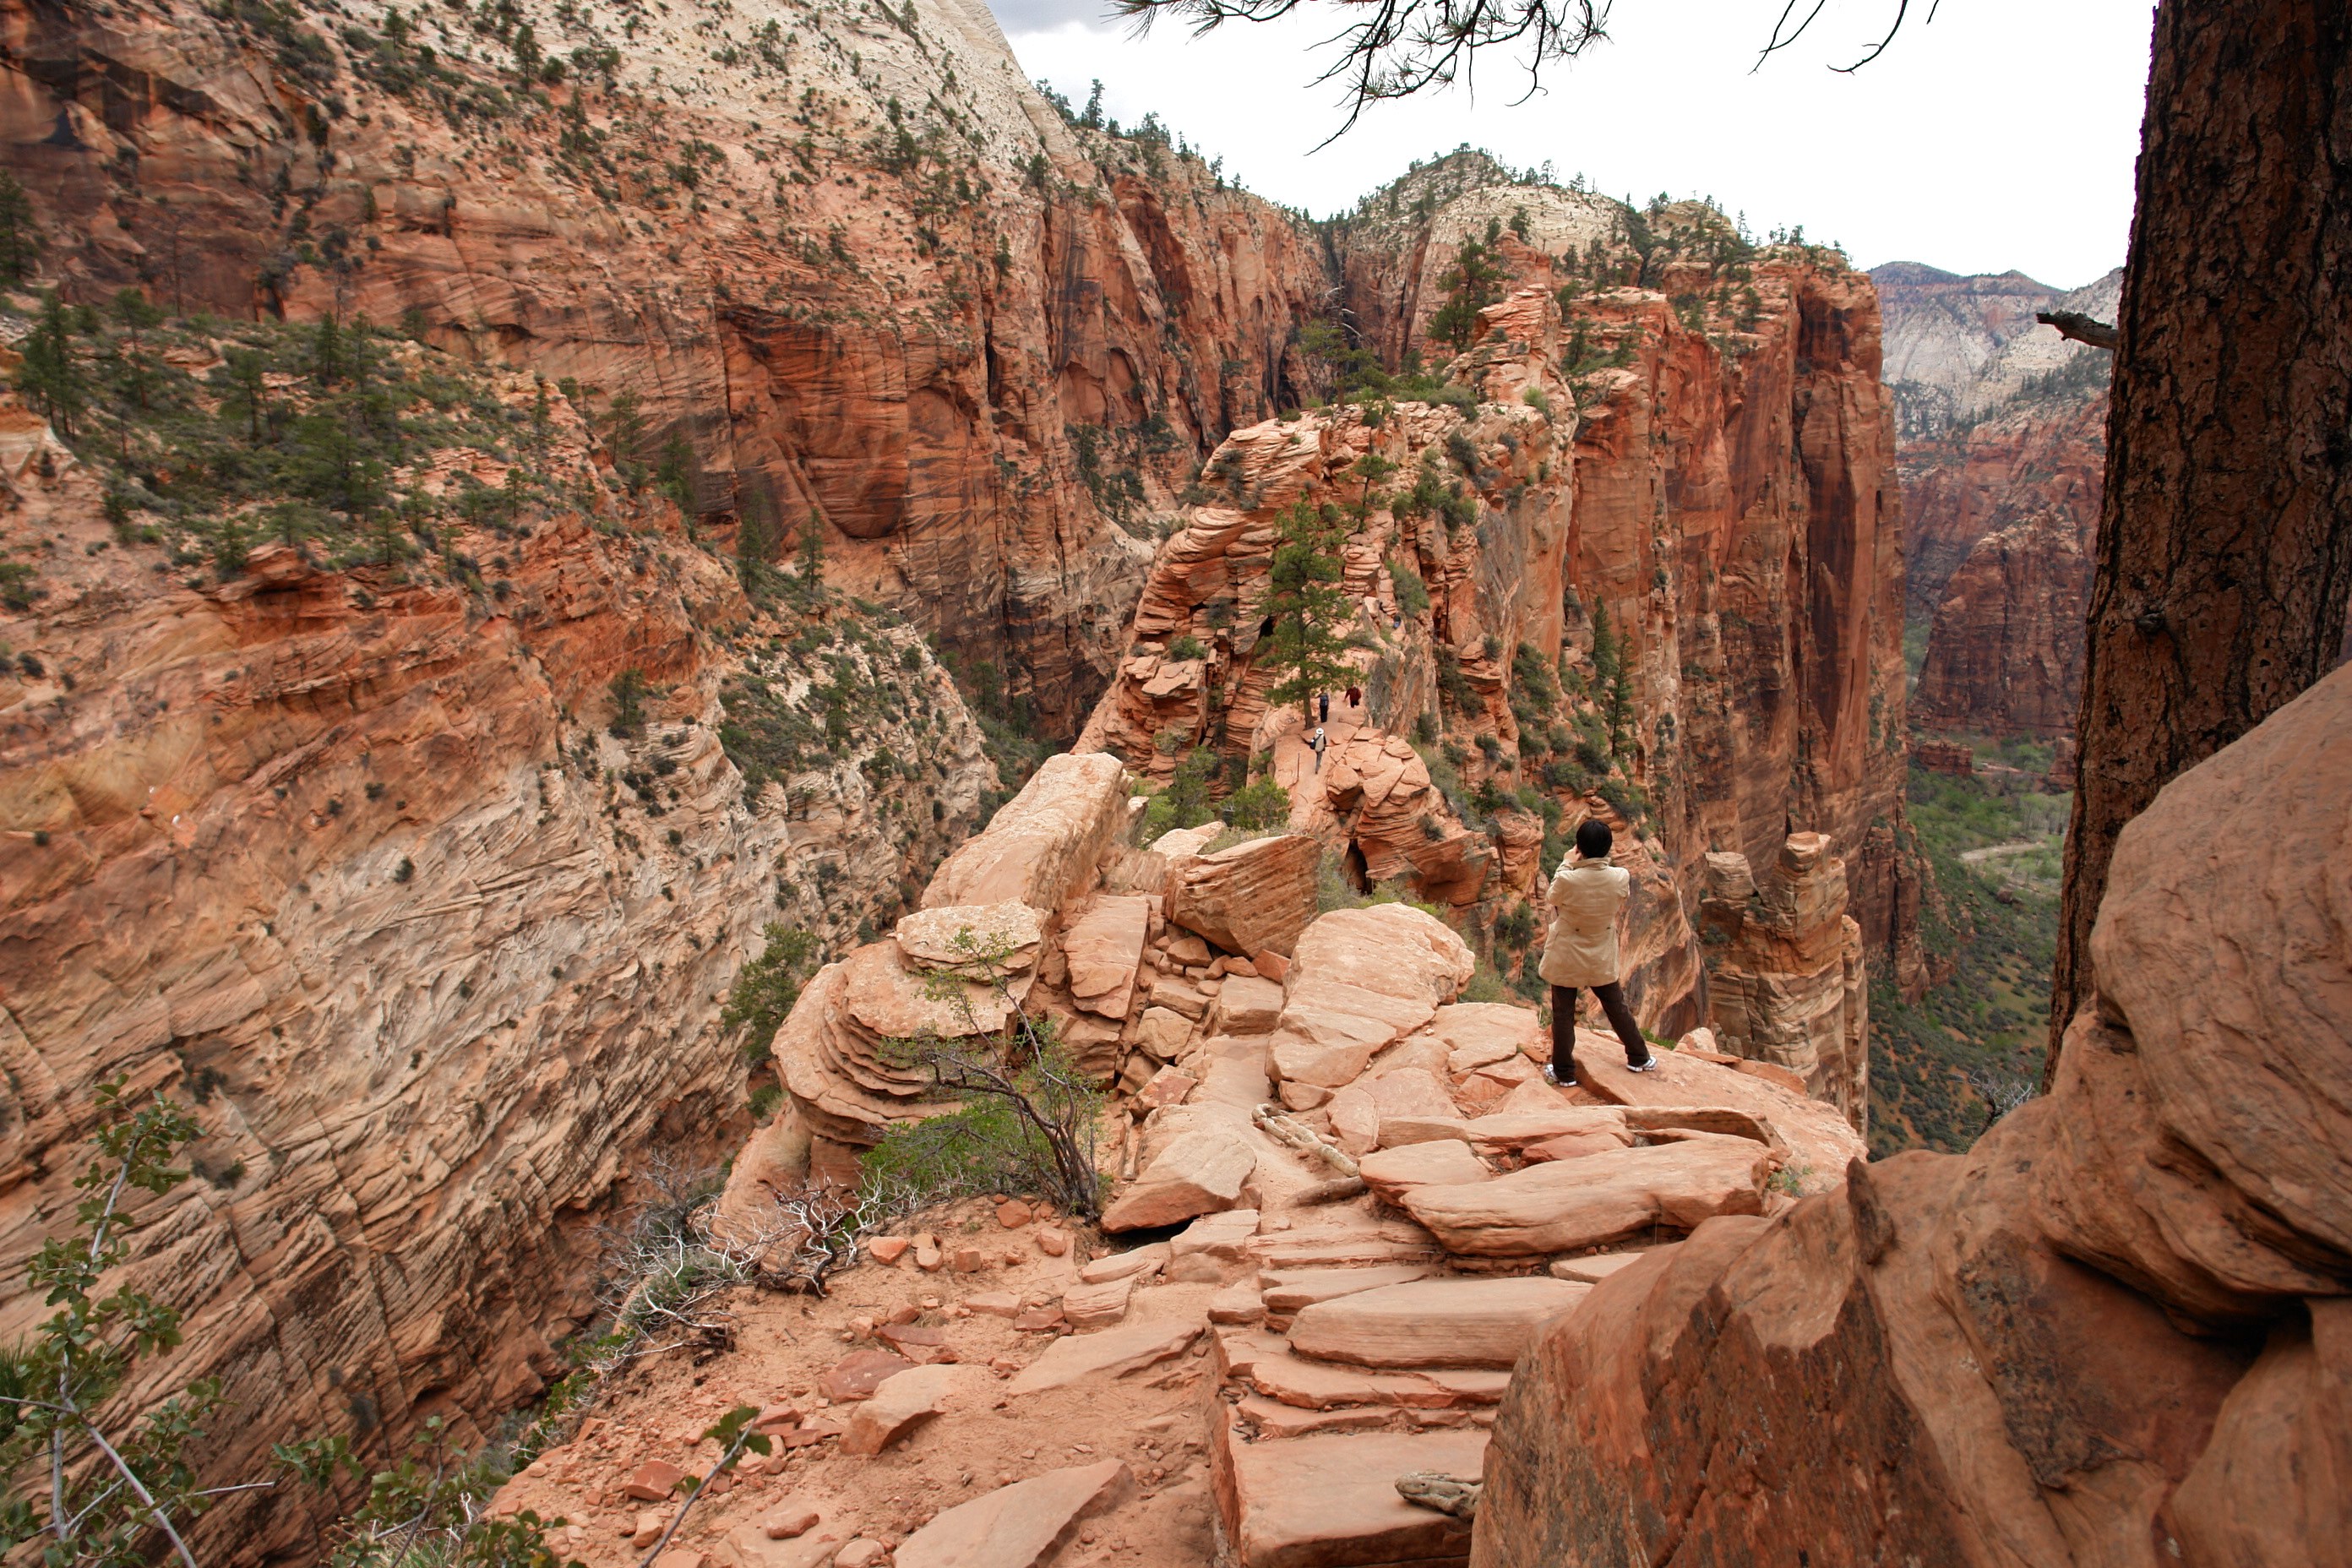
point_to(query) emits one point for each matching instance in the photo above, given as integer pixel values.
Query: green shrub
(766, 989)
(1259, 806)
(1187, 647)
(1411, 593)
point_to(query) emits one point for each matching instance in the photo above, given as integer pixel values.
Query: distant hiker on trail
(1355, 697)
(1585, 896)
(1324, 699)
(1318, 742)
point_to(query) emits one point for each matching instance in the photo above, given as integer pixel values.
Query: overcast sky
(2001, 135)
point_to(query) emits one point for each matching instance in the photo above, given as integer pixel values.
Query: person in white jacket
(1585, 897)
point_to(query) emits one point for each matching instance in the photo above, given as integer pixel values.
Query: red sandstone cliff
(859, 264)
(350, 858)
(1708, 462)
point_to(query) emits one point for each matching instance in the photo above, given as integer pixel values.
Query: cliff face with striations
(856, 262)
(350, 856)
(1702, 468)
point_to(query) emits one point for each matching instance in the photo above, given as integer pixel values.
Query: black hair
(1593, 838)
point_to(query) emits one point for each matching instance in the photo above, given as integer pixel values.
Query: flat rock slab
(1506, 1131)
(1433, 1323)
(1108, 1354)
(1438, 1161)
(1198, 1173)
(1569, 1205)
(857, 1375)
(958, 936)
(1290, 1379)
(1480, 1034)
(747, 1546)
(1248, 1005)
(1125, 1265)
(1292, 1291)
(1098, 1306)
(1325, 1501)
(1017, 1526)
(899, 1405)
(1593, 1270)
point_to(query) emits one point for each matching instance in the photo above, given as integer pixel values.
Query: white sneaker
(1553, 1078)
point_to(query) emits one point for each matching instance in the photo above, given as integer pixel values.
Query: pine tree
(1472, 283)
(20, 234)
(1307, 607)
(812, 556)
(51, 374)
(1613, 682)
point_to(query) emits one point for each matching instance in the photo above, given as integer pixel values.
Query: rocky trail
(1346, 1203)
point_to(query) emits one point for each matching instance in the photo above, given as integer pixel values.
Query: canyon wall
(2004, 451)
(849, 255)
(351, 857)
(1704, 468)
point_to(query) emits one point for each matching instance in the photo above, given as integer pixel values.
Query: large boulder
(1046, 842)
(1103, 949)
(1252, 897)
(1361, 981)
(2118, 1331)
(1199, 1171)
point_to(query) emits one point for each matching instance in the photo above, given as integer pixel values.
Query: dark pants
(1563, 1028)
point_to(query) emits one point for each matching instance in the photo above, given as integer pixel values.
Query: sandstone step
(1343, 1247)
(1098, 1305)
(1270, 1420)
(1076, 1357)
(1506, 1131)
(1433, 1322)
(901, 1405)
(1323, 1501)
(1593, 1270)
(1567, 1205)
(1439, 1162)
(1019, 1525)
(1289, 1289)
(1291, 1379)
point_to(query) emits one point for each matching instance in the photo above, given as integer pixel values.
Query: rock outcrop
(1785, 972)
(2005, 651)
(2116, 1332)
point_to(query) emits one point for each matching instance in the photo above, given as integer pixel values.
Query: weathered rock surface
(1076, 1357)
(1438, 1161)
(1044, 845)
(1197, 1173)
(1017, 1526)
(1311, 1502)
(1433, 1323)
(1786, 982)
(2085, 1337)
(1254, 897)
(1363, 980)
(332, 854)
(1566, 1205)
(900, 1402)
(2005, 653)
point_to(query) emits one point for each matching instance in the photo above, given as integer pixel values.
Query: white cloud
(2001, 135)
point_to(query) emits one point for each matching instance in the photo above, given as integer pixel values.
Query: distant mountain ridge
(1957, 347)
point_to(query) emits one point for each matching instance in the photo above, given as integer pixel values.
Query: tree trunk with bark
(2224, 554)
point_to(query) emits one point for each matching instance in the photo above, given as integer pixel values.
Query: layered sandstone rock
(866, 271)
(1785, 971)
(2087, 1337)
(350, 859)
